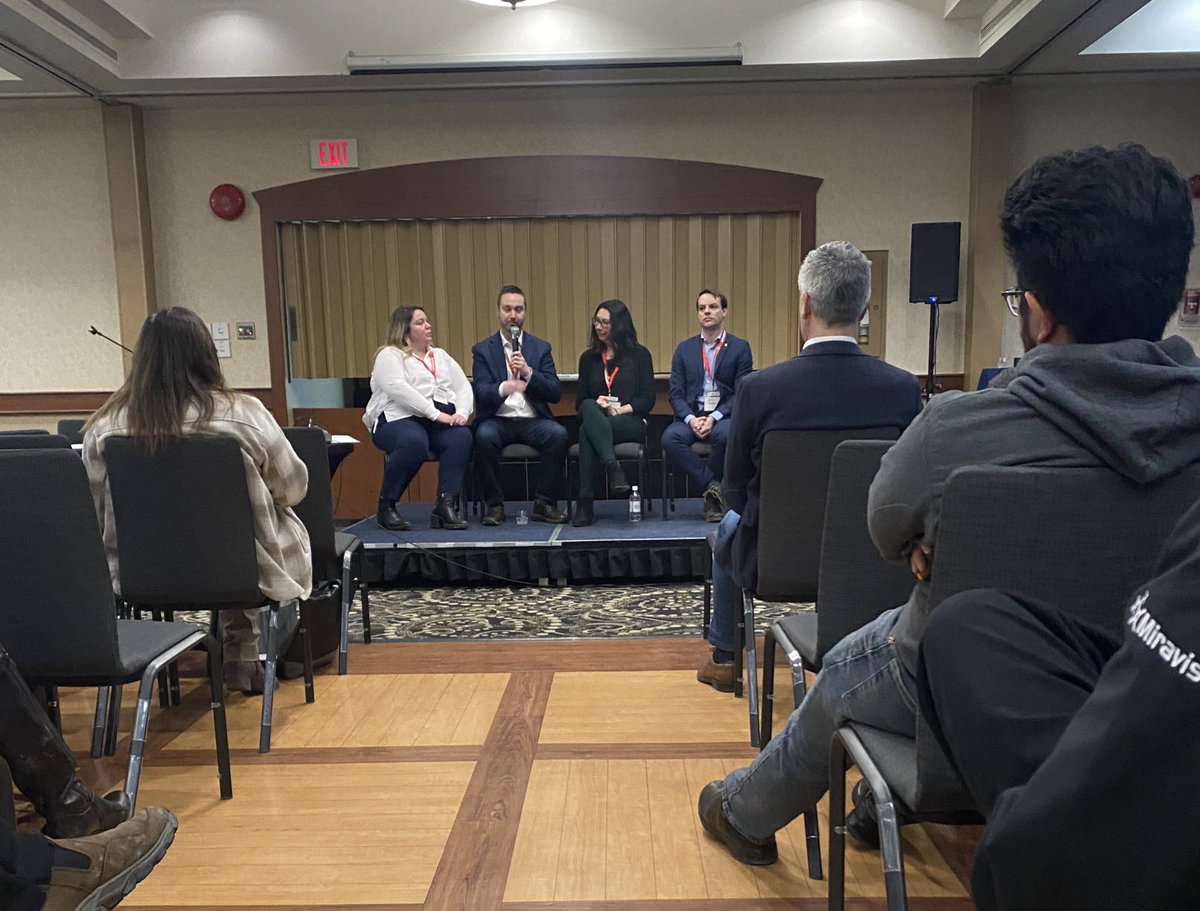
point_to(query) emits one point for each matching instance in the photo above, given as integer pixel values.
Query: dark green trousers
(597, 434)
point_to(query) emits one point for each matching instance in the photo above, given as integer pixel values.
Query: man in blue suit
(515, 383)
(831, 384)
(705, 371)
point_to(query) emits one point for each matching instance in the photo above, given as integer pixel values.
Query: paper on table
(342, 438)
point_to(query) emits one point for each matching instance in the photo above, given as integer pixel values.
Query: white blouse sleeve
(391, 377)
(464, 397)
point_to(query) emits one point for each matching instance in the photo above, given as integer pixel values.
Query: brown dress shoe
(494, 516)
(718, 676)
(110, 864)
(717, 824)
(545, 511)
(714, 503)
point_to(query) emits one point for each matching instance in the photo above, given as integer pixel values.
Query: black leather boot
(583, 514)
(617, 485)
(388, 518)
(42, 766)
(446, 514)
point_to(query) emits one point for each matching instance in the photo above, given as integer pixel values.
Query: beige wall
(890, 154)
(1161, 114)
(56, 255)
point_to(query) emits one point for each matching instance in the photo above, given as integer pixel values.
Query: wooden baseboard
(78, 402)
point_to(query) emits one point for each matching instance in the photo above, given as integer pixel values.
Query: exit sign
(329, 154)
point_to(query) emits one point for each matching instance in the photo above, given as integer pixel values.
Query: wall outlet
(245, 332)
(222, 347)
(219, 331)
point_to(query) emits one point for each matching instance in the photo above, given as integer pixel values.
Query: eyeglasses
(1013, 297)
(601, 323)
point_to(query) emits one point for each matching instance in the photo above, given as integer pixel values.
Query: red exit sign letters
(330, 154)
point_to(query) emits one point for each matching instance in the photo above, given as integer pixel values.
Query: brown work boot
(714, 503)
(545, 511)
(717, 824)
(95, 873)
(718, 676)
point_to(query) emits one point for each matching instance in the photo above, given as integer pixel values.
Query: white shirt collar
(506, 339)
(830, 338)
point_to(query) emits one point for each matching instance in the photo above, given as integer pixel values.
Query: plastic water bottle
(635, 505)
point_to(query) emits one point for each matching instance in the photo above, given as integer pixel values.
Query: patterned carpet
(582, 612)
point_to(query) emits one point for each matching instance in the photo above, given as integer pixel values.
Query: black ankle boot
(43, 768)
(388, 518)
(617, 485)
(446, 514)
(583, 514)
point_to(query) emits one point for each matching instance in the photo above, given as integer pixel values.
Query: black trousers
(25, 861)
(999, 680)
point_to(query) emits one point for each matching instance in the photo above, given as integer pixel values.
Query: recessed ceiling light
(512, 4)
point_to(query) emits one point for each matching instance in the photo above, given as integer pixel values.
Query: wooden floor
(529, 776)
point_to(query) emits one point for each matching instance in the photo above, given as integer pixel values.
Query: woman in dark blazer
(616, 391)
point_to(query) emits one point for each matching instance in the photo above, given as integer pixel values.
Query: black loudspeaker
(933, 263)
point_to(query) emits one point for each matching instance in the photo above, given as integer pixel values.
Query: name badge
(712, 400)
(612, 401)
(440, 396)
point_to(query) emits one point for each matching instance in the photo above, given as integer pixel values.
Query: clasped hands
(920, 561)
(702, 427)
(453, 420)
(521, 375)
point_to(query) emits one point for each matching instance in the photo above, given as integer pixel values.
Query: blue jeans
(726, 603)
(677, 442)
(862, 679)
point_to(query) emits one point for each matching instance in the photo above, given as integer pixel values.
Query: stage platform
(613, 548)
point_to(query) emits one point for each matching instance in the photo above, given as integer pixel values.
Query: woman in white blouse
(420, 403)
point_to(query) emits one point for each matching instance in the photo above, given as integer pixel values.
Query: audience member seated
(420, 403)
(830, 385)
(615, 393)
(515, 383)
(1100, 240)
(705, 371)
(97, 853)
(1079, 749)
(175, 388)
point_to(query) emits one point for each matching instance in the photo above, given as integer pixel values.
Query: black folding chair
(337, 556)
(57, 619)
(1081, 540)
(185, 536)
(33, 439)
(71, 429)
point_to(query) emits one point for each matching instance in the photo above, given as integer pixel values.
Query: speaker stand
(930, 382)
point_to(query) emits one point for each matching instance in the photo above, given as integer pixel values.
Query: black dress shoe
(583, 514)
(494, 516)
(446, 514)
(388, 518)
(617, 485)
(717, 824)
(545, 511)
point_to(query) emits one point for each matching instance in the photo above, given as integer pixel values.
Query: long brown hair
(174, 365)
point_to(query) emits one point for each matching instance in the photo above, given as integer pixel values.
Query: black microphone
(92, 330)
(514, 333)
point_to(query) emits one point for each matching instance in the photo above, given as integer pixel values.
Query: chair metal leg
(141, 718)
(751, 646)
(264, 732)
(366, 612)
(668, 503)
(768, 686)
(112, 724)
(216, 680)
(812, 842)
(837, 824)
(892, 854)
(347, 598)
(102, 694)
(173, 667)
(739, 648)
(306, 645)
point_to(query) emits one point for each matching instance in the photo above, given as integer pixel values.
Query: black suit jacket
(827, 386)
(489, 369)
(687, 374)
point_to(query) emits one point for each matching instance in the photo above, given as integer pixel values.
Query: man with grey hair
(830, 385)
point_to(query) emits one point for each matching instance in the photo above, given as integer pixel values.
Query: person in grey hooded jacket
(1100, 241)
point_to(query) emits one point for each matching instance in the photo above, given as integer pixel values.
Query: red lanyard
(704, 353)
(609, 377)
(431, 366)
